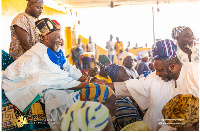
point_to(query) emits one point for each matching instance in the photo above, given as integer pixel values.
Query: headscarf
(144, 54)
(112, 70)
(125, 54)
(85, 116)
(95, 92)
(177, 30)
(103, 59)
(164, 49)
(46, 26)
(136, 126)
(181, 111)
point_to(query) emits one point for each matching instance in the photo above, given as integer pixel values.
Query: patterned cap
(182, 111)
(112, 70)
(95, 92)
(177, 30)
(46, 26)
(164, 49)
(85, 116)
(103, 59)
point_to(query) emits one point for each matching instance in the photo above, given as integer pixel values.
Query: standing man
(119, 48)
(128, 46)
(91, 47)
(110, 47)
(23, 32)
(76, 52)
(80, 44)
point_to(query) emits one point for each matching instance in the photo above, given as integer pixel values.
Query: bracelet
(88, 79)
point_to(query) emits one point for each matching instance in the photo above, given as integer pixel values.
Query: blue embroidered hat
(164, 49)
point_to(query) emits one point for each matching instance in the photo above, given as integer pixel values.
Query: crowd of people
(135, 96)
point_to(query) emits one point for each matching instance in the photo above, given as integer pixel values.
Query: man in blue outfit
(142, 66)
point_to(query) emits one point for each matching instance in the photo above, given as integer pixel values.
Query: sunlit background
(129, 23)
(135, 23)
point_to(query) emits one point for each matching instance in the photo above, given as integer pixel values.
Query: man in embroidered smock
(23, 32)
(171, 78)
(44, 73)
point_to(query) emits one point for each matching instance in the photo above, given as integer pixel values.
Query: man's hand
(99, 81)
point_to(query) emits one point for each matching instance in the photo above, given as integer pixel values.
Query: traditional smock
(40, 69)
(153, 93)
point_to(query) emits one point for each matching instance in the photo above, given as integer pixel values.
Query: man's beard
(169, 76)
(56, 48)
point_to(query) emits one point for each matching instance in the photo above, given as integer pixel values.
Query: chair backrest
(6, 59)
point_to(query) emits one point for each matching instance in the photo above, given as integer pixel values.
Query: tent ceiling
(107, 3)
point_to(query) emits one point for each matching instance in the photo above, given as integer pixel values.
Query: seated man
(142, 66)
(128, 62)
(181, 113)
(44, 73)
(86, 116)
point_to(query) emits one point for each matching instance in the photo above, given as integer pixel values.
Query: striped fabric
(95, 92)
(112, 70)
(177, 30)
(100, 64)
(164, 49)
(126, 113)
(85, 116)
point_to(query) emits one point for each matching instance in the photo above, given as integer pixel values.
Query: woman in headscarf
(126, 113)
(186, 51)
(181, 113)
(86, 116)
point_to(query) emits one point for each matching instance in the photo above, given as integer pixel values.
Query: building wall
(11, 8)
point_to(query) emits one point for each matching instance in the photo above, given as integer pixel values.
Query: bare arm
(23, 37)
(80, 58)
(80, 86)
(82, 78)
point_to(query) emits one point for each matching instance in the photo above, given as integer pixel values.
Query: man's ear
(45, 38)
(171, 67)
(29, 4)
